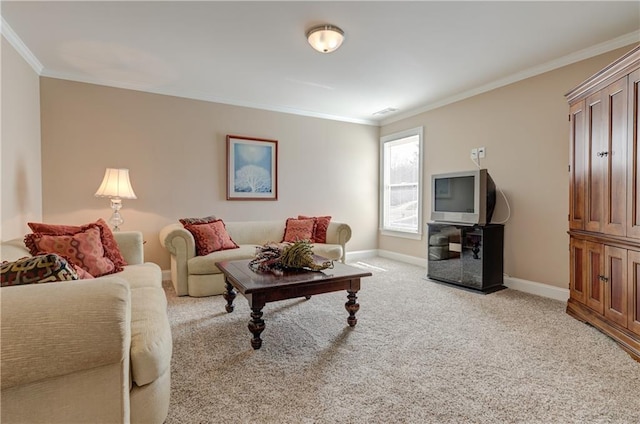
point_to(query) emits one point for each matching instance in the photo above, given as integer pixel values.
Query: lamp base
(116, 219)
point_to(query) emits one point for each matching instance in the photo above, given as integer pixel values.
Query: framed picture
(252, 168)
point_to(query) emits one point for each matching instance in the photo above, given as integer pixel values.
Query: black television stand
(467, 256)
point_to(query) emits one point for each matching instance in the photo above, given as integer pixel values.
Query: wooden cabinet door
(595, 165)
(633, 152)
(577, 282)
(633, 289)
(615, 157)
(594, 273)
(577, 159)
(615, 272)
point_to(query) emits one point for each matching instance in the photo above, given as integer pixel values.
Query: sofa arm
(56, 329)
(131, 246)
(182, 247)
(339, 233)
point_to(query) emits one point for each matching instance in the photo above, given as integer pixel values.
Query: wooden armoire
(604, 207)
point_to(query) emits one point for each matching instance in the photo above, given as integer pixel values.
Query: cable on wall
(504, 221)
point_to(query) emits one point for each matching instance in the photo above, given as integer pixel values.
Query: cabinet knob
(602, 154)
(603, 278)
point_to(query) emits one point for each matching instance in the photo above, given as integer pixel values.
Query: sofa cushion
(320, 230)
(84, 249)
(256, 232)
(299, 229)
(329, 251)
(45, 268)
(12, 250)
(204, 265)
(106, 235)
(151, 344)
(147, 274)
(210, 237)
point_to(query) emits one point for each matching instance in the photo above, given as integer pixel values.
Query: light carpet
(422, 352)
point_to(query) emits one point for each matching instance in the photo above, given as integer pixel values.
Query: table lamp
(116, 186)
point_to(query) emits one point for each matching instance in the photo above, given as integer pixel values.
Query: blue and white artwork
(252, 164)
(252, 168)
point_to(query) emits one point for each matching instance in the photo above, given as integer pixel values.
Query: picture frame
(252, 168)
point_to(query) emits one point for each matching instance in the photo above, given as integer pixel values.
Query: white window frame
(396, 231)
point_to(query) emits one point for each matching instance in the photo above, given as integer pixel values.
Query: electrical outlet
(474, 154)
(481, 152)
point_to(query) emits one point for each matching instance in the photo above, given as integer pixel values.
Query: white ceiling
(411, 56)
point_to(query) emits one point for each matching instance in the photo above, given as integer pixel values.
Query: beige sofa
(87, 351)
(199, 276)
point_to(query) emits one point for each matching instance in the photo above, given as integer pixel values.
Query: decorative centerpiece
(277, 257)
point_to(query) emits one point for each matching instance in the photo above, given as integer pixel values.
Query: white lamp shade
(325, 38)
(116, 184)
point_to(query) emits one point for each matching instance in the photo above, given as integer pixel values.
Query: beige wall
(525, 131)
(175, 150)
(20, 174)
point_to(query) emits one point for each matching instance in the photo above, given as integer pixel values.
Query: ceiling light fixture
(325, 38)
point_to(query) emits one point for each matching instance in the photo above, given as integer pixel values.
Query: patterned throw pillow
(322, 225)
(205, 220)
(84, 249)
(211, 237)
(299, 229)
(36, 269)
(106, 235)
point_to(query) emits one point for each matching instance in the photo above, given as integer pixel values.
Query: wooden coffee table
(260, 288)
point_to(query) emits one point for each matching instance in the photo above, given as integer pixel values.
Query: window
(401, 179)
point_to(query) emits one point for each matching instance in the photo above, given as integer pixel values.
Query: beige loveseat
(199, 276)
(87, 351)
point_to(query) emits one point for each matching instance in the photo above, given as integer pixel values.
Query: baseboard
(539, 289)
(361, 254)
(403, 258)
(525, 286)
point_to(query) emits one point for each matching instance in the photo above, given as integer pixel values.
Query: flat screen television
(467, 197)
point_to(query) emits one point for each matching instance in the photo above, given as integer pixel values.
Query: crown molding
(9, 34)
(194, 95)
(598, 49)
(32, 60)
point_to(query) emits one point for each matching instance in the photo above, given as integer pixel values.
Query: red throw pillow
(83, 249)
(322, 225)
(211, 237)
(299, 229)
(106, 235)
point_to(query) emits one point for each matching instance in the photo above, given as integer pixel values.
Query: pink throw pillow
(83, 249)
(82, 273)
(322, 225)
(299, 229)
(211, 237)
(106, 235)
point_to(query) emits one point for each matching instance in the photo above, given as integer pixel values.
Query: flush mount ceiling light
(325, 38)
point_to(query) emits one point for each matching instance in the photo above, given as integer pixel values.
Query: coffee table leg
(229, 295)
(256, 326)
(352, 307)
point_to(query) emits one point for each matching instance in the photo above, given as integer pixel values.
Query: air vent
(385, 111)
